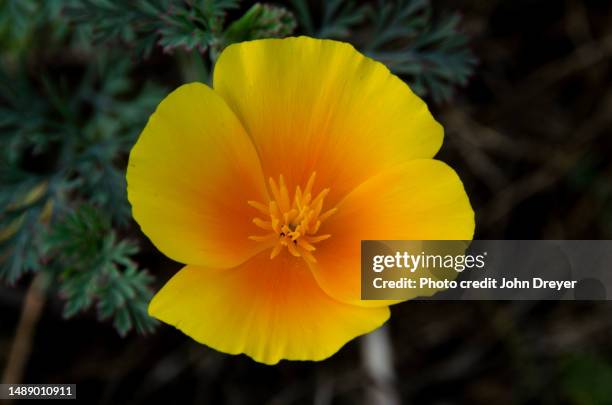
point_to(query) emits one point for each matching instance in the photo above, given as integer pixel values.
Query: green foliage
(585, 379)
(432, 56)
(339, 18)
(20, 18)
(145, 23)
(21, 224)
(62, 142)
(260, 21)
(190, 25)
(71, 108)
(71, 136)
(96, 267)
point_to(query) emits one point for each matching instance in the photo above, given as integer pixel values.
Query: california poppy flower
(265, 184)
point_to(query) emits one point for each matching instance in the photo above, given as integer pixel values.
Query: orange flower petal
(189, 178)
(314, 105)
(267, 309)
(419, 200)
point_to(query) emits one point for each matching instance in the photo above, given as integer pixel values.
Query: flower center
(292, 223)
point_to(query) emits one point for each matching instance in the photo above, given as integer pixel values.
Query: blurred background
(522, 88)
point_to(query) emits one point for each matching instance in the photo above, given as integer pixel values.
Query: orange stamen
(293, 224)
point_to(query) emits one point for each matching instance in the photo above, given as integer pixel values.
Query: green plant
(75, 92)
(62, 144)
(431, 55)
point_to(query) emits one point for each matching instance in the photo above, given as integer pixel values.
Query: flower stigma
(292, 224)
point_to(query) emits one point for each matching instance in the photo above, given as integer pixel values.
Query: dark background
(530, 137)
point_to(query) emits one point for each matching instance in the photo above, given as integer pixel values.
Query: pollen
(292, 223)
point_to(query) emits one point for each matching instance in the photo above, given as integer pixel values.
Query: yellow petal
(190, 176)
(267, 309)
(419, 200)
(319, 105)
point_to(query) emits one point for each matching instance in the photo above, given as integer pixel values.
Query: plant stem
(192, 66)
(377, 358)
(22, 343)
